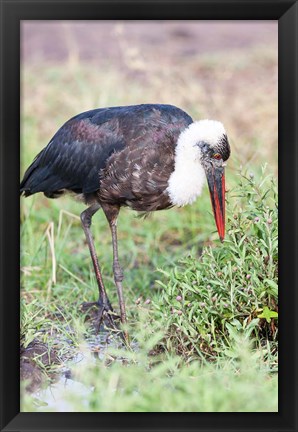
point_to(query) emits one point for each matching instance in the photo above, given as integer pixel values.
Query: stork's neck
(187, 180)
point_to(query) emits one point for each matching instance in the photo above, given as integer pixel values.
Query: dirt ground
(169, 41)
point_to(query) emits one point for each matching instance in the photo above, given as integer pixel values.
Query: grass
(203, 315)
(146, 384)
(233, 288)
(222, 333)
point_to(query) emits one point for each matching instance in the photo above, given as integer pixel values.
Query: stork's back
(81, 148)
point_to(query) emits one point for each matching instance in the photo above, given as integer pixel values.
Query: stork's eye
(216, 156)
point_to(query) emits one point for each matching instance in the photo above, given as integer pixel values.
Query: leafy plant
(232, 288)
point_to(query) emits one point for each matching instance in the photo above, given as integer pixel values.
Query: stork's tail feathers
(35, 179)
(25, 193)
(26, 183)
(31, 180)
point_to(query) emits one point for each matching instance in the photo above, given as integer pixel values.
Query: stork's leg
(111, 213)
(103, 301)
(118, 273)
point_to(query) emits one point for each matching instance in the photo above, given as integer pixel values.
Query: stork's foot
(101, 313)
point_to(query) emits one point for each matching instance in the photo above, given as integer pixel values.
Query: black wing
(80, 149)
(74, 156)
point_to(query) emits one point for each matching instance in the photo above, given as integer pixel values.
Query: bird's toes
(101, 315)
(86, 306)
(105, 318)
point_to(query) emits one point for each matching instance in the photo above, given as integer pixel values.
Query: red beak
(216, 183)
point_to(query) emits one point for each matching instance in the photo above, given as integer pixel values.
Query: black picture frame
(12, 12)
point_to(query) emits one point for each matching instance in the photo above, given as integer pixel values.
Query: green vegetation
(166, 384)
(210, 320)
(232, 289)
(203, 316)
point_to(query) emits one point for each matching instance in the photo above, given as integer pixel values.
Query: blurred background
(224, 70)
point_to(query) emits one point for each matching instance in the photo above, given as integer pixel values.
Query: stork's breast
(137, 175)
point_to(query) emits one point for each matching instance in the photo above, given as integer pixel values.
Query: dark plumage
(125, 156)
(120, 155)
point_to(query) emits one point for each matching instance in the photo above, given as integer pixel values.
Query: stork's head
(201, 150)
(215, 150)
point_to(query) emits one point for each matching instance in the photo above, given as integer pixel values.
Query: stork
(148, 157)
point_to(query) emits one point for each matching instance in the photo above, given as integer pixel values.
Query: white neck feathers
(186, 181)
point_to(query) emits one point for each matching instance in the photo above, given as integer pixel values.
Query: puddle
(55, 396)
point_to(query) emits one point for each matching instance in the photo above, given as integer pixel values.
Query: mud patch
(36, 361)
(51, 380)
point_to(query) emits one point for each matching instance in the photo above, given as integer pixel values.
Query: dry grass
(239, 89)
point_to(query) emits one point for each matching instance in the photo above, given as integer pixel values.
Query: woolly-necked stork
(148, 157)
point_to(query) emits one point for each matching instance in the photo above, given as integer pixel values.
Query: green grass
(219, 353)
(149, 384)
(233, 288)
(222, 291)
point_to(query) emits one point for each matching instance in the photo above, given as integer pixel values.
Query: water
(55, 397)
